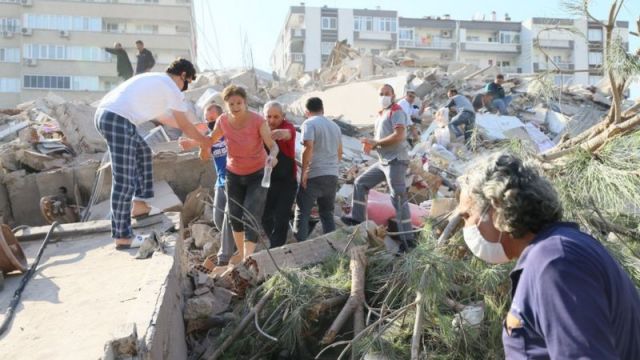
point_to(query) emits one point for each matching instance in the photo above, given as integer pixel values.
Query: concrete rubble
(51, 143)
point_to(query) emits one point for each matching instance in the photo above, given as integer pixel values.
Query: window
(595, 35)
(326, 47)
(112, 27)
(86, 83)
(473, 38)
(405, 34)
(47, 82)
(9, 24)
(557, 59)
(297, 57)
(363, 23)
(147, 29)
(595, 58)
(11, 55)
(62, 22)
(78, 83)
(385, 24)
(62, 52)
(9, 85)
(509, 37)
(329, 23)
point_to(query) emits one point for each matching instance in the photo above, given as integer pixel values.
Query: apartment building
(568, 44)
(310, 33)
(480, 43)
(533, 45)
(58, 45)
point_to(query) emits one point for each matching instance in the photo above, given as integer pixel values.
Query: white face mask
(491, 252)
(385, 101)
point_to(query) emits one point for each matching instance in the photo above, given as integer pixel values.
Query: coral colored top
(245, 148)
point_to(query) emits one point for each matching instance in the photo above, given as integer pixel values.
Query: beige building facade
(58, 45)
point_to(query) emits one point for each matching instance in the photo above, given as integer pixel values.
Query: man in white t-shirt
(413, 111)
(139, 99)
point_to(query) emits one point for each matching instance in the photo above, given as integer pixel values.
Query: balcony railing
(557, 44)
(442, 44)
(550, 66)
(490, 46)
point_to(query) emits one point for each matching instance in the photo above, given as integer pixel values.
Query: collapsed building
(53, 168)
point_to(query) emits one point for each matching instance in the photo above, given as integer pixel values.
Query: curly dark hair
(523, 200)
(181, 65)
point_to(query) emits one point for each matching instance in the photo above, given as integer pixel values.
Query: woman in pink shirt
(246, 133)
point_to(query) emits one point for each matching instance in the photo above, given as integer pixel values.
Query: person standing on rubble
(465, 116)
(570, 298)
(245, 133)
(123, 65)
(282, 191)
(413, 111)
(133, 102)
(321, 156)
(499, 100)
(389, 142)
(219, 153)
(145, 59)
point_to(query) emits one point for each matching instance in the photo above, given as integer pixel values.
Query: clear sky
(230, 31)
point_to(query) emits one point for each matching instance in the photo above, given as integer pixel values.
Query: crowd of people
(571, 299)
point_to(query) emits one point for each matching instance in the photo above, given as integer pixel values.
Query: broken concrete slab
(209, 304)
(76, 122)
(494, 126)
(556, 121)
(164, 199)
(103, 289)
(260, 265)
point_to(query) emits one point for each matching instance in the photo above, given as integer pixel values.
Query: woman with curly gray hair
(571, 299)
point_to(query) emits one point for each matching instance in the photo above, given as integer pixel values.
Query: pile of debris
(294, 293)
(294, 301)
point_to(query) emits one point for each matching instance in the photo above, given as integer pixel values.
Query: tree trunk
(358, 266)
(418, 324)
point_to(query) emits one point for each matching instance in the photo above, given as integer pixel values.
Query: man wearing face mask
(571, 299)
(390, 144)
(139, 99)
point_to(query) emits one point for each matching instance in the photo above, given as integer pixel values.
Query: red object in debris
(380, 210)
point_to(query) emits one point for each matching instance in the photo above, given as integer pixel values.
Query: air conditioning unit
(7, 34)
(64, 33)
(31, 62)
(26, 2)
(27, 31)
(446, 34)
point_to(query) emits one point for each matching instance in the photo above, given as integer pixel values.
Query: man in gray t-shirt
(390, 142)
(466, 115)
(321, 154)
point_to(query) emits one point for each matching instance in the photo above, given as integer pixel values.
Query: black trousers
(278, 211)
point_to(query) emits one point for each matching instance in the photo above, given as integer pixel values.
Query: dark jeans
(321, 189)
(278, 210)
(466, 118)
(245, 199)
